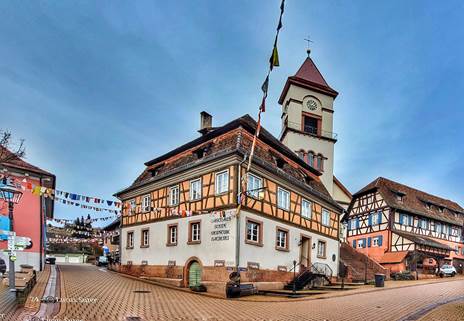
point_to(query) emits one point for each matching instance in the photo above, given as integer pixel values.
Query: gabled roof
(308, 76)
(422, 240)
(414, 201)
(14, 161)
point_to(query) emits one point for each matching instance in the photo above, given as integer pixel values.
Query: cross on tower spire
(308, 39)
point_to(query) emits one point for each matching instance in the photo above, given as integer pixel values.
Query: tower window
(320, 162)
(310, 160)
(310, 125)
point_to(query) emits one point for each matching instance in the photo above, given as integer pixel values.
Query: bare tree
(8, 150)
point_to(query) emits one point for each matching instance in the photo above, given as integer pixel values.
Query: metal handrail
(311, 130)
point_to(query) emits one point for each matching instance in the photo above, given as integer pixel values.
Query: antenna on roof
(308, 50)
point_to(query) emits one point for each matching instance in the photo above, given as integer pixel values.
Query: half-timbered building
(406, 229)
(180, 224)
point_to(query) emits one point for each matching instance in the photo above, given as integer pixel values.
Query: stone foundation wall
(209, 273)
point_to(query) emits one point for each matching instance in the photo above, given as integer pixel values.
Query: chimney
(206, 123)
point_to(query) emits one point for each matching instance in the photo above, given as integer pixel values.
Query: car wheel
(442, 275)
(453, 274)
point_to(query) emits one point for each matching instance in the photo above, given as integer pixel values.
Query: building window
(423, 224)
(360, 243)
(306, 209)
(254, 232)
(321, 249)
(130, 240)
(282, 239)
(194, 232)
(283, 199)
(174, 195)
(146, 200)
(254, 186)
(320, 162)
(375, 218)
(132, 207)
(222, 182)
(325, 217)
(375, 241)
(145, 240)
(438, 228)
(172, 234)
(195, 189)
(310, 125)
(399, 197)
(310, 157)
(352, 225)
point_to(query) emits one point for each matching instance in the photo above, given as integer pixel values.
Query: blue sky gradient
(98, 88)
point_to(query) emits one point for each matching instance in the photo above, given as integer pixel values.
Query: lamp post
(11, 195)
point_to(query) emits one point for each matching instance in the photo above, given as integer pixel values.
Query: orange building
(403, 228)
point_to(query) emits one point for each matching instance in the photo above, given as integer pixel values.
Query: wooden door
(305, 252)
(194, 274)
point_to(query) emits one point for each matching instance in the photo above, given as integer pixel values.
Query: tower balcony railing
(311, 130)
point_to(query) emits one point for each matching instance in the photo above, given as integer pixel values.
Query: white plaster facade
(209, 251)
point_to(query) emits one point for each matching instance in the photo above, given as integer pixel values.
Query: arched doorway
(194, 274)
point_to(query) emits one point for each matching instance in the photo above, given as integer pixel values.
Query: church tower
(307, 120)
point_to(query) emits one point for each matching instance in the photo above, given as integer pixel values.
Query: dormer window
(440, 209)
(428, 206)
(399, 198)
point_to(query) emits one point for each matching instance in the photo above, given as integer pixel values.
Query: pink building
(31, 212)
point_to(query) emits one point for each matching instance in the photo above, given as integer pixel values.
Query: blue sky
(98, 88)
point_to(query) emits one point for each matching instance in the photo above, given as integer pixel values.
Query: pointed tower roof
(308, 76)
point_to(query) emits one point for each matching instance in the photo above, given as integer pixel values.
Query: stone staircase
(356, 264)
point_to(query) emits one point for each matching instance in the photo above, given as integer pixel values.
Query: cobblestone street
(95, 294)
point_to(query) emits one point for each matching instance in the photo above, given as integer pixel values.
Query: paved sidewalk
(94, 295)
(448, 312)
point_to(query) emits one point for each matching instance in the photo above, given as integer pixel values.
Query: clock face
(311, 104)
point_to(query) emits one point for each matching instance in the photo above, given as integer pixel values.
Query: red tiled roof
(414, 201)
(308, 76)
(393, 257)
(16, 162)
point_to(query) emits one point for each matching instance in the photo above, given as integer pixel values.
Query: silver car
(447, 270)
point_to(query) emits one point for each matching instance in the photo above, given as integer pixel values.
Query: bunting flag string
(273, 62)
(89, 207)
(87, 221)
(39, 190)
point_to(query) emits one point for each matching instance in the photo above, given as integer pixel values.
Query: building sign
(221, 228)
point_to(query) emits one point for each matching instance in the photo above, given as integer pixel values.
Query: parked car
(102, 261)
(447, 270)
(2, 266)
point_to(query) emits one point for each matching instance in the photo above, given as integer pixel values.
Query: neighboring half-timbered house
(404, 228)
(180, 224)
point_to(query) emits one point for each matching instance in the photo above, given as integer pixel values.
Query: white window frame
(306, 211)
(325, 217)
(353, 224)
(319, 247)
(132, 206)
(375, 241)
(174, 195)
(223, 186)
(249, 228)
(130, 240)
(282, 239)
(173, 234)
(146, 242)
(195, 232)
(195, 194)
(374, 218)
(283, 202)
(254, 186)
(360, 244)
(146, 200)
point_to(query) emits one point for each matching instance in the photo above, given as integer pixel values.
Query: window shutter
(379, 213)
(410, 220)
(370, 219)
(369, 239)
(349, 224)
(402, 219)
(364, 243)
(380, 240)
(354, 244)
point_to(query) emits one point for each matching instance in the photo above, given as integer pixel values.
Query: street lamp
(10, 194)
